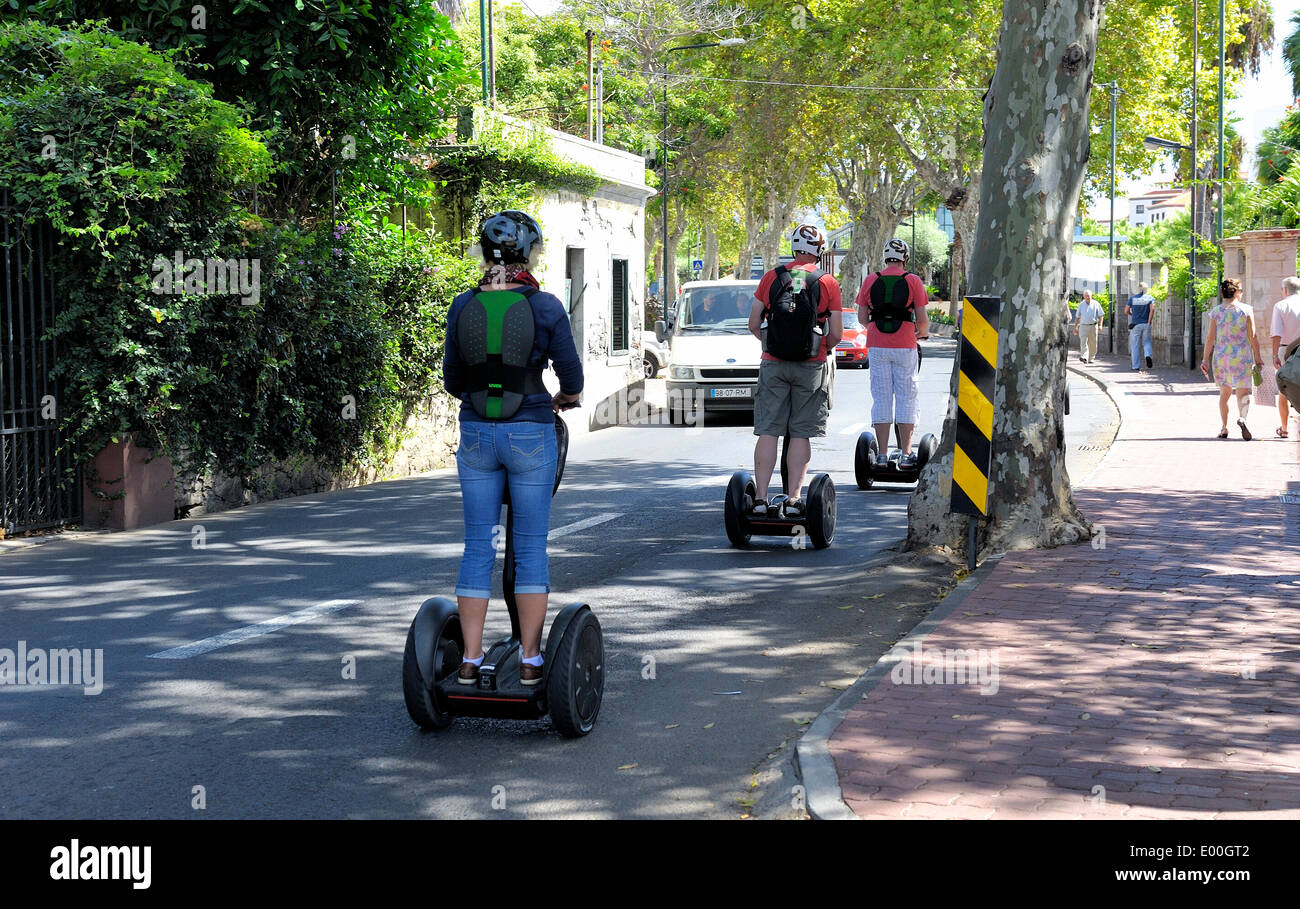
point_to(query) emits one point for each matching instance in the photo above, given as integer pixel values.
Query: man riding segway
(892, 305)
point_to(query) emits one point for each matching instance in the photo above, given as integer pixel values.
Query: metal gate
(38, 486)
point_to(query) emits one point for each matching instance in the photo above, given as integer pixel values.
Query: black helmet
(508, 237)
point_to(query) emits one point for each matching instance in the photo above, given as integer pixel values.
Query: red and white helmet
(809, 239)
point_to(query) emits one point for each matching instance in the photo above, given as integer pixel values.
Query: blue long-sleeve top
(552, 342)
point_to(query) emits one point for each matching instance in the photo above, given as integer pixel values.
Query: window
(618, 307)
(1141, 208)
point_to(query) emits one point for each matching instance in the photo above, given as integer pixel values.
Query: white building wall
(607, 225)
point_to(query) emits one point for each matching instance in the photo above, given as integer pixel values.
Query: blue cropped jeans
(491, 455)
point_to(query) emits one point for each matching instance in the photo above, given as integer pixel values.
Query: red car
(852, 349)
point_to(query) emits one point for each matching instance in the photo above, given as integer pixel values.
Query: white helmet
(897, 249)
(808, 238)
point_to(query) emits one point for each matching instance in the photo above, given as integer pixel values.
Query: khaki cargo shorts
(792, 399)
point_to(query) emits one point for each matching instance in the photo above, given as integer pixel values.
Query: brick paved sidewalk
(1157, 677)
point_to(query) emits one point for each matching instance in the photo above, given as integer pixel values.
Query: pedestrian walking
(1087, 318)
(796, 316)
(891, 303)
(1285, 329)
(1141, 310)
(1228, 346)
(500, 336)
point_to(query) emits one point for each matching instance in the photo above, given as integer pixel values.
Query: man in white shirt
(1285, 329)
(1088, 318)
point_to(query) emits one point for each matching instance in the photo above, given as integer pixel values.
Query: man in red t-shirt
(793, 397)
(896, 319)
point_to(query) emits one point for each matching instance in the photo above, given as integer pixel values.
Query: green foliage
(929, 244)
(150, 168)
(504, 166)
(541, 74)
(100, 135)
(1210, 258)
(339, 86)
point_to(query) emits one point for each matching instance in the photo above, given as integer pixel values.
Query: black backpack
(889, 297)
(792, 315)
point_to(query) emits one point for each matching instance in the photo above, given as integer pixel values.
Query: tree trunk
(965, 213)
(1036, 150)
(710, 272)
(853, 267)
(676, 231)
(753, 224)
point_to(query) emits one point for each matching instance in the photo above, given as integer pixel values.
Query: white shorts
(893, 384)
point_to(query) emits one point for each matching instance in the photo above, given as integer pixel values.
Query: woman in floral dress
(1228, 346)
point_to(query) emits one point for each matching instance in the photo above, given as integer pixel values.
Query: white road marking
(853, 429)
(581, 525)
(227, 638)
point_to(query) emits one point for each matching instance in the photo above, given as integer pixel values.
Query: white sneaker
(882, 460)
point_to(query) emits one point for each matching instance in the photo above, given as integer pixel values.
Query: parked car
(852, 349)
(654, 355)
(713, 359)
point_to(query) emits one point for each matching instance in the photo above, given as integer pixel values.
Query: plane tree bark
(1035, 153)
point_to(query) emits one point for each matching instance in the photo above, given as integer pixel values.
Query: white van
(713, 359)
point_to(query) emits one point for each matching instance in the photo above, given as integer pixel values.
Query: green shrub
(147, 167)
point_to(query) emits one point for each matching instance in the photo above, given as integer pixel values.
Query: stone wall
(1260, 259)
(432, 435)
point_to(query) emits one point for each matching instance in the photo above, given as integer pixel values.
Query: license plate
(731, 393)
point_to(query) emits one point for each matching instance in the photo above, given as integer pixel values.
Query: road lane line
(853, 429)
(581, 525)
(185, 651)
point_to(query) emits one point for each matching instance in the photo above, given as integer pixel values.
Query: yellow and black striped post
(977, 376)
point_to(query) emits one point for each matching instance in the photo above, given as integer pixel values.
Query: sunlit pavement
(1150, 674)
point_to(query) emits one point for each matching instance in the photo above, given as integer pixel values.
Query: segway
(868, 472)
(817, 521)
(573, 673)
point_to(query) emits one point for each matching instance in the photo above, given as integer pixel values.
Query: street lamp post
(1111, 289)
(1154, 143)
(666, 279)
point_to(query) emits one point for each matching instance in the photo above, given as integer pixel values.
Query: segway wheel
(864, 460)
(737, 505)
(821, 511)
(420, 703)
(575, 685)
(926, 450)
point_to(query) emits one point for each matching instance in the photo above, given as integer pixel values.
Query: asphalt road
(716, 658)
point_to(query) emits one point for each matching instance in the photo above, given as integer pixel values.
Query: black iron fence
(38, 486)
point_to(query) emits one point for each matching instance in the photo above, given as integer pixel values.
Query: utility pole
(1218, 233)
(591, 89)
(492, 59)
(1110, 267)
(665, 281)
(600, 102)
(1191, 278)
(482, 46)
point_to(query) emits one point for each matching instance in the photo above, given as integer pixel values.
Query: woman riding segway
(500, 336)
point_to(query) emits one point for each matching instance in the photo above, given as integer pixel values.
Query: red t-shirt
(829, 300)
(916, 297)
